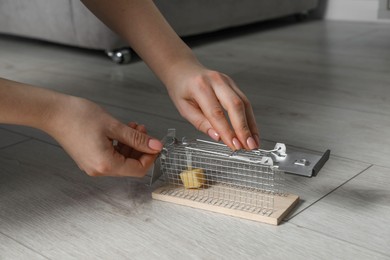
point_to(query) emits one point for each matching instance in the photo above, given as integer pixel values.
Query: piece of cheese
(192, 179)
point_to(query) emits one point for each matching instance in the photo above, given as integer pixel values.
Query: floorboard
(314, 85)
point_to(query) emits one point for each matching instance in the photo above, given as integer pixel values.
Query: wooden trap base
(282, 205)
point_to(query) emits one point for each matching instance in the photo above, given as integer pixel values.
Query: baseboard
(352, 10)
(384, 10)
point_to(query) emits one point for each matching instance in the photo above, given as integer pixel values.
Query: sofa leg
(120, 56)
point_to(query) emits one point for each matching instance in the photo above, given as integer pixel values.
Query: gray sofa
(69, 22)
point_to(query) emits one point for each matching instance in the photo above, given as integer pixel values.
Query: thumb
(136, 139)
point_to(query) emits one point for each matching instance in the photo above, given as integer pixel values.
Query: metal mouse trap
(247, 184)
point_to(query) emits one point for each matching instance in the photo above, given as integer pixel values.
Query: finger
(214, 112)
(117, 165)
(129, 162)
(134, 153)
(252, 125)
(126, 150)
(136, 167)
(248, 109)
(196, 117)
(250, 118)
(135, 139)
(236, 107)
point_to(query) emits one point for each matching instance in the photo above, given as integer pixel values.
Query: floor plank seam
(233, 75)
(46, 142)
(140, 111)
(357, 36)
(328, 106)
(339, 239)
(15, 132)
(23, 245)
(330, 192)
(29, 138)
(18, 72)
(360, 161)
(13, 144)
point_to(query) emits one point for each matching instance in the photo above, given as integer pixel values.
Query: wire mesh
(238, 180)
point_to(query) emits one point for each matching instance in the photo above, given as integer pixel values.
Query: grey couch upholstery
(69, 22)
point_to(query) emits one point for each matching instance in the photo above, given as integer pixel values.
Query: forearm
(141, 24)
(23, 104)
(201, 95)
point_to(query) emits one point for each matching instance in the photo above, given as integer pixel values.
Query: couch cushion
(40, 19)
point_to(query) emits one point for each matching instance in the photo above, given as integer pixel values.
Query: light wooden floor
(314, 85)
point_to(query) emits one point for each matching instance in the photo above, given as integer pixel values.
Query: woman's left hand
(202, 96)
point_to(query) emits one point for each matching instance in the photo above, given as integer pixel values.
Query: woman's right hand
(87, 133)
(82, 128)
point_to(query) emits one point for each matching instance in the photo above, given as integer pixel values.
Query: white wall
(354, 10)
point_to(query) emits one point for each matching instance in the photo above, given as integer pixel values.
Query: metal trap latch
(303, 164)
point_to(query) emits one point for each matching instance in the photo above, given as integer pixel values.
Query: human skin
(86, 131)
(201, 95)
(82, 128)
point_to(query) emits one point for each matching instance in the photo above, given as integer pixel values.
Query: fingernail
(236, 143)
(251, 143)
(155, 144)
(214, 135)
(257, 139)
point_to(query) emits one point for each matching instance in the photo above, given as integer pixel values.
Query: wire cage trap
(208, 175)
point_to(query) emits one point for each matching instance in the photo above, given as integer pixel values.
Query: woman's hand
(87, 132)
(82, 128)
(202, 96)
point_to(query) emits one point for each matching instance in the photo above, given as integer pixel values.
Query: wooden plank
(12, 249)
(282, 206)
(47, 205)
(8, 138)
(359, 212)
(323, 82)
